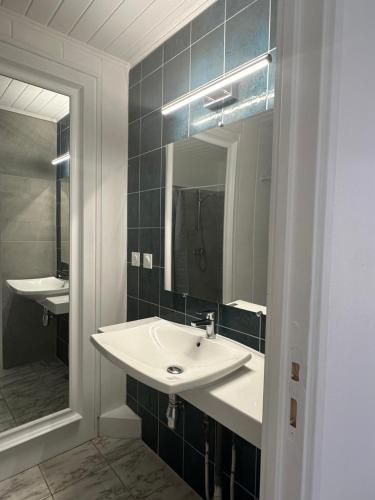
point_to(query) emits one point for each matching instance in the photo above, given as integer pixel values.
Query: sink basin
(168, 356)
(39, 288)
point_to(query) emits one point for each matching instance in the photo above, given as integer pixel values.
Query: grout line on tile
(241, 10)
(45, 480)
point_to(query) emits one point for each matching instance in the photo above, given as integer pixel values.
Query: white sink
(39, 288)
(146, 349)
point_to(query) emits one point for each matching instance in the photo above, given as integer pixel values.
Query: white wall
(198, 163)
(251, 209)
(345, 452)
(322, 262)
(111, 77)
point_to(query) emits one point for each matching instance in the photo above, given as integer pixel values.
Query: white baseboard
(121, 422)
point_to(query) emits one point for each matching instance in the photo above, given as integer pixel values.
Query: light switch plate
(147, 260)
(136, 259)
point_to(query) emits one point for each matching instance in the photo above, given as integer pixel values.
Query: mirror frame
(79, 419)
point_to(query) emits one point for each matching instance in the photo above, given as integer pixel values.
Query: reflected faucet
(208, 320)
(63, 274)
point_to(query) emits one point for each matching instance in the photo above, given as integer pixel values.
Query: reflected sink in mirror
(39, 288)
(168, 356)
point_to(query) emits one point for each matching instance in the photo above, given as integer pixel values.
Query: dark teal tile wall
(224, 36)
(183, 449)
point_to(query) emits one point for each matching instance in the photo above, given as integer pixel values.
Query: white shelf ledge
(56, 305)
(235, 401)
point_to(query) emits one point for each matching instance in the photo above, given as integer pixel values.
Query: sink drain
(175, 370)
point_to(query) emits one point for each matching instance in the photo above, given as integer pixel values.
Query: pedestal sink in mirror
(39, 288)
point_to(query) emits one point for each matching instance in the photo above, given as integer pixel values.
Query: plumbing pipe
(45, 317)
(172, 411)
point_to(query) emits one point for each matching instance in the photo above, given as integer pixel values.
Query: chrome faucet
(63, 274)
(208, 319)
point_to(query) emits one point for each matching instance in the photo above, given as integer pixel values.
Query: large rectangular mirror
(34, 252)
(217, 213)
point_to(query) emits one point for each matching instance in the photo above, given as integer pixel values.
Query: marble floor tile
(103, 485)
(33, 391)
(180, 492)
(49, 367)
(142, 472)
(5, 413)
(6, 425)
(72, 466)
(173, 486)
(36, 397)
(6, 418)
(14, 375)
(28, 485)
(114, 449)
(51, 406)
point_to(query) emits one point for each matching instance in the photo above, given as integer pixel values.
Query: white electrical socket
(147, 260)
(136, 259)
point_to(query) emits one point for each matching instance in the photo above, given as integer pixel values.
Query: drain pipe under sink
(218, 495)
(172, 411)
(45, 317)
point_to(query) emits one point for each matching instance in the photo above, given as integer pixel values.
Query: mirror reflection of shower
(34, 252)
(198, 212)
(217, 201)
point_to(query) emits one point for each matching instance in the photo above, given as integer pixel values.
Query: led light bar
(61, 159)
(235, 75)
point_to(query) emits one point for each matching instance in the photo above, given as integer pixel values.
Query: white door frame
(302, 177)
(30, 443)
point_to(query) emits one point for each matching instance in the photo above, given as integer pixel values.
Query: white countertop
(57, 305)
(235, 401)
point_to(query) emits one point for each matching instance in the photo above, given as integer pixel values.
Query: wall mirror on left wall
(34, 252)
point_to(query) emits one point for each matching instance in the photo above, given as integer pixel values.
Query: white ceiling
(128, 29)
(27, 99)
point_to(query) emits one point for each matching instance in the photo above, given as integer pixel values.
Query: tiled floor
(102, 469)
(32, 391)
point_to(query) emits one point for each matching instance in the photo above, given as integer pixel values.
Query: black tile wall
(221, 38)
(135, 103)
(62, 340)
(151, 90)
(207, 58)
(134, 138)
(147, 309)
(151, 132)
(150, 174)
(208, 20)
(152, 61)
(247, 34)
(176, 76)
(135, 74)
(177, 43)
(171, 448)
(176, 126)
(149, 242)
(133, 175)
